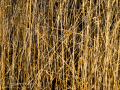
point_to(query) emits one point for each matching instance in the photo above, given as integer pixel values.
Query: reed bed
(59, 44)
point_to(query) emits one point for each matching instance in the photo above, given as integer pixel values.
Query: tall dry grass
(35, 54)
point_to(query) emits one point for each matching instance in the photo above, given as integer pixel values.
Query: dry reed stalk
(34, 53)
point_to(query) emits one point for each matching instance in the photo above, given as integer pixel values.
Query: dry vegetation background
(36, 55)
